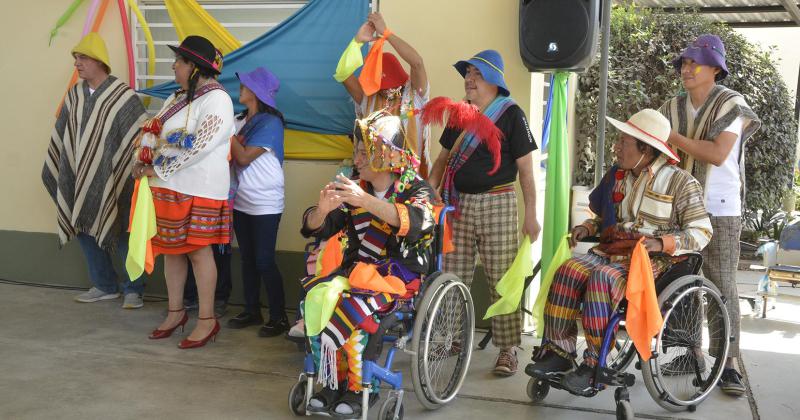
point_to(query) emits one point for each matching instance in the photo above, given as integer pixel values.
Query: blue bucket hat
(490, 64)
(263, 83)
(707, 50)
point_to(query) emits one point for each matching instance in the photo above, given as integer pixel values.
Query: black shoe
(274, 328)
(245, 319)
(731, 383)
(551, 364)
(684, 365)
(220, 308)
(579, 381)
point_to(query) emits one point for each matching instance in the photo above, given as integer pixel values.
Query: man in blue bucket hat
(477, 178)
(711, 125)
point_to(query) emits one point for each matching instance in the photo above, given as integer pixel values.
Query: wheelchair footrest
(614, 378)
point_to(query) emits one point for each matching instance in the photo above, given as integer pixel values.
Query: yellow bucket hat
(93, 46)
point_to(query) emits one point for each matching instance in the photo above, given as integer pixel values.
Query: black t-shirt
(473, 177)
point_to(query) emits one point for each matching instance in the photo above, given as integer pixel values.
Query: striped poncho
(88, 163)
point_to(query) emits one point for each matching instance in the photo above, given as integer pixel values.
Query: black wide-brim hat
(200, 51)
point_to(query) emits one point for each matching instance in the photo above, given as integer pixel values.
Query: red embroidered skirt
(187, 223)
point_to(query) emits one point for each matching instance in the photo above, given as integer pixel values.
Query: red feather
(466, 117)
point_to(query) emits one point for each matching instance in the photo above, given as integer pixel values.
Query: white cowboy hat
(649, 126)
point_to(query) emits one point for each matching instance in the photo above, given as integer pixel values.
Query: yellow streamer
(151, 48)
(190, 18)
(313, 146)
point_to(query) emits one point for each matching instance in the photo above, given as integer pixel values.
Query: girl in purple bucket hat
(258, 199)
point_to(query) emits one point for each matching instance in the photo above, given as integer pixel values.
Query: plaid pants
(488, 227)
(720, 262)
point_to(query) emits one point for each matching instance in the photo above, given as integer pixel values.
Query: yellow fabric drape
(190, 18)
(313, 146)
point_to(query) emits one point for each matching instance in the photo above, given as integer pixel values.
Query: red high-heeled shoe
(212, 336)
(159, 334)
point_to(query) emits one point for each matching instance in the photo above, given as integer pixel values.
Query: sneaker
(683, 365)
(506, 364)
(547, 366)
(132, 301)
(95, 295)
(731, 383)
(579, 381)
(274, 328)
(298, 330)
(245, 319)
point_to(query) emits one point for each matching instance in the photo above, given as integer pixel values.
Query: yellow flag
(511, 286)
(190, 18)
(143, 228)
(562, 254)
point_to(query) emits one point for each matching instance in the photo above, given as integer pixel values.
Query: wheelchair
(687, 355)
(435, 326)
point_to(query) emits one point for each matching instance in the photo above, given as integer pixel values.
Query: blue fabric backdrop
(303, 52)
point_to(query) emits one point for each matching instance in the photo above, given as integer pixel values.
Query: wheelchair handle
(439, 239)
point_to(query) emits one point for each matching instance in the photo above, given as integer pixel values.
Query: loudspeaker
(558, 34)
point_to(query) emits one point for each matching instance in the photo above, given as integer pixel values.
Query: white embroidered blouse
(203, 169)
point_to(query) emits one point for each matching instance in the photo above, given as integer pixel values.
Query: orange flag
(372, 71)
(331, 256)
(643, 319)
(447, 241)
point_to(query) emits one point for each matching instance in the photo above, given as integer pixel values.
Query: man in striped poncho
(87, 168)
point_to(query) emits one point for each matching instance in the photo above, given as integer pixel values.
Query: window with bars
(246, 20)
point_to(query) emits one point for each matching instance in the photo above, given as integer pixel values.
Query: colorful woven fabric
(187, 223)
(600, 285)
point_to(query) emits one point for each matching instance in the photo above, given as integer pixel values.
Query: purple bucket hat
(706, 50)
(263, 83)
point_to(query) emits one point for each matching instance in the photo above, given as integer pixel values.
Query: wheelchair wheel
(691, 348)
(442, 341)
(624, 410)
(537, 389)
(387, 410)
(297, 397)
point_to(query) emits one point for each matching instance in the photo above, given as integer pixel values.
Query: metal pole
(600, 148)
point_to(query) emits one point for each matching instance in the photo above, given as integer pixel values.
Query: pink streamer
(87, 24)
(126, 30)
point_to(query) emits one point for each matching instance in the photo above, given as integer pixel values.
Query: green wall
(36, 258)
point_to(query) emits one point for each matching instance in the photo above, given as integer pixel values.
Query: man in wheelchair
(388, 222)
(643, 195)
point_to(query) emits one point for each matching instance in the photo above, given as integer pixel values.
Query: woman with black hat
(184, 150)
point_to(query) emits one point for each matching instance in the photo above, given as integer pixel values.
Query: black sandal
(327, 397)
(352, 400)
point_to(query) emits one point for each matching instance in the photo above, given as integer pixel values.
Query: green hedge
(643, 42)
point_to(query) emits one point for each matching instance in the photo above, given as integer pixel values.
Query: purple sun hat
(707, 50)
(263, 83)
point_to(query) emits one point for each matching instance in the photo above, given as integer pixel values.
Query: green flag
(556, 196)
(511, 286)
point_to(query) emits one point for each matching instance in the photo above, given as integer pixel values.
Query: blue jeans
(257, 236)
(101, 270)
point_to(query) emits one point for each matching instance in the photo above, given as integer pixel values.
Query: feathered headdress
(465, 117)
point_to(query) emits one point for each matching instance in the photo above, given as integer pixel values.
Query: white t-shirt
(724, 183)
(261, 184)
